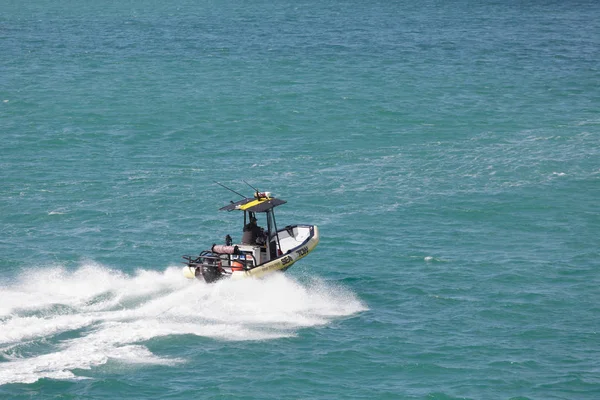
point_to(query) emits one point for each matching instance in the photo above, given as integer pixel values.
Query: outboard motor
(210, 273)
(208, 267)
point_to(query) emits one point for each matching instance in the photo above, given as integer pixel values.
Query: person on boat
(253, 234)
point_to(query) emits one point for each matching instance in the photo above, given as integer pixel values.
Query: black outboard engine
(210, 273)
(208, 267)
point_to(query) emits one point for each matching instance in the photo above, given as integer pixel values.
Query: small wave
(589, 122)
(94, 314)
(430, 259)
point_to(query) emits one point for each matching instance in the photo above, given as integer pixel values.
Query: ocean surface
(448, 151)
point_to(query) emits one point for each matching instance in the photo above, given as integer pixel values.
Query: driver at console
(253, 234)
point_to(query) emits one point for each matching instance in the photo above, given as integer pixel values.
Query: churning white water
(60, 320)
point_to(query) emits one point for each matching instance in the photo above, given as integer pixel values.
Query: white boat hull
(296, 242)
(284, 262)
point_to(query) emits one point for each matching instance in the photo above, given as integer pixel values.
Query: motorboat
(260, 251)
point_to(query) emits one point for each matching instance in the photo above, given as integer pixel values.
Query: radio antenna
(255, 189)
(231, 190)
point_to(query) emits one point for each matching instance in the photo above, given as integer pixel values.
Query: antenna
(255, 189)
(231, 190)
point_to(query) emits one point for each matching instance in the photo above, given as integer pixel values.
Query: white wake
(86, 317)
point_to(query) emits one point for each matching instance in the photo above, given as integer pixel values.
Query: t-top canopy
(261, 204)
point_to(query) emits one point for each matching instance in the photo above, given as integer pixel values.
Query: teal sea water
(448, 151)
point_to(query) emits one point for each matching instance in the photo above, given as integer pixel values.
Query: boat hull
(293, 252)
(284, 262)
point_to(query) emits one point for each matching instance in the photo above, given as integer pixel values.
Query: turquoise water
(449, 154)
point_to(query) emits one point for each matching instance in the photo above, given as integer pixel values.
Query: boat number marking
(302, 252)
(286, 260)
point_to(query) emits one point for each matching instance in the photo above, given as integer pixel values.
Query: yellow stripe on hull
(280, 263)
